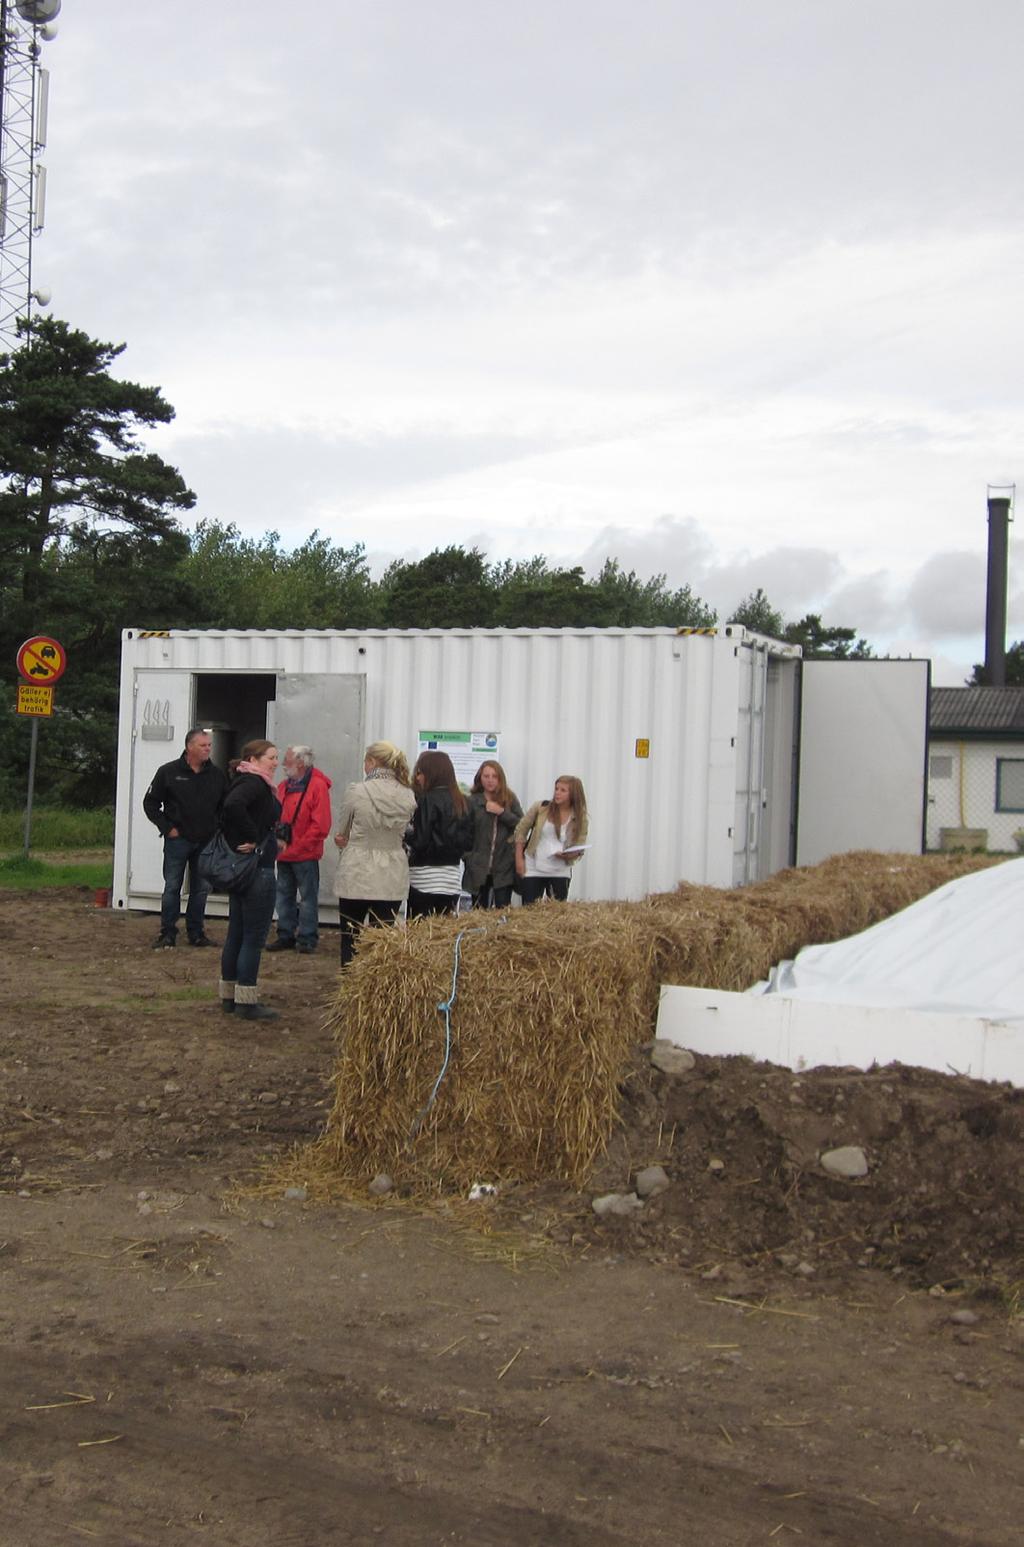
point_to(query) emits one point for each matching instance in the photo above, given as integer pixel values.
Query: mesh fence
(975, 795)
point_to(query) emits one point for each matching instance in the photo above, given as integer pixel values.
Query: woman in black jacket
(249, 819)
(440, 833)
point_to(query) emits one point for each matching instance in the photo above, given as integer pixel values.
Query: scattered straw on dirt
(550, 1003)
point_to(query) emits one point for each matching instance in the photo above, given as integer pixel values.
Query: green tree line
(91, 542)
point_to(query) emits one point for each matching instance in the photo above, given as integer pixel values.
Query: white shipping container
(684, 741)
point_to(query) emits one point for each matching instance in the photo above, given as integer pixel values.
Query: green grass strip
(59, 827)
(27, 875)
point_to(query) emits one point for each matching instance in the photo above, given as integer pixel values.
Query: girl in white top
(550, 840)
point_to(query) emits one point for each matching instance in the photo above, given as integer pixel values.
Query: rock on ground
(849, 1161)
(671, 1059)
(617, 1203)
(651, 1181)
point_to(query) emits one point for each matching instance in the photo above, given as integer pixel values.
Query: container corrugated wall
(562, 701)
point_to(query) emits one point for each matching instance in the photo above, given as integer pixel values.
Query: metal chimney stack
(995, 595)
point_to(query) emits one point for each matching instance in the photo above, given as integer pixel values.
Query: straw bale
(550, 1002)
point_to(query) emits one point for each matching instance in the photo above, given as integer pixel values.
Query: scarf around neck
(246, 767)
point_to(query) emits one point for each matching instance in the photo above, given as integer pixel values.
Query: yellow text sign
(35, 698)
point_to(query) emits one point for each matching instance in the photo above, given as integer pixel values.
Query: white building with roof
(975, 767)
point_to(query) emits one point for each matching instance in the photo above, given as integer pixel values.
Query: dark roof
(993, 712)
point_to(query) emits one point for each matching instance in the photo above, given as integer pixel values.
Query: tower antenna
(25, 25)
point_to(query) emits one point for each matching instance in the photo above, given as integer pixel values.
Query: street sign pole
(41, 662)
(31, 784)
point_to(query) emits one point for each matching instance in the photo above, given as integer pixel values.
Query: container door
(751, 796)
(777, 848)
(162, 715)
(324, 712)
(863, 751)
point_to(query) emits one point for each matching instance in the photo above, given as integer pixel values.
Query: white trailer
(688, 743)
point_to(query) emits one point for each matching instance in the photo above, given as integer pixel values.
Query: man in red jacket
(305, 796)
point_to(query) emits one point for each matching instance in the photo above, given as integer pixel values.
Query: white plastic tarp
(957, 951)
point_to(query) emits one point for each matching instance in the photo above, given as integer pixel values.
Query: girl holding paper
(550, 839)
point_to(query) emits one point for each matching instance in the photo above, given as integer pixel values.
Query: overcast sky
(727, 292)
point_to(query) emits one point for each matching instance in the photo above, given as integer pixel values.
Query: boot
(255, 1012)
(247, 1004)
(227, 996)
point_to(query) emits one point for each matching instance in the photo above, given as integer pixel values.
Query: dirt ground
(765, 1354)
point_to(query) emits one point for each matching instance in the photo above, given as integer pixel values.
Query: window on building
(940, 766)
(1010, 783)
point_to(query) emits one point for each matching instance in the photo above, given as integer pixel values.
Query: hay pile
(549, 1006)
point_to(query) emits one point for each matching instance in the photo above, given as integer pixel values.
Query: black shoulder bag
(223, 869)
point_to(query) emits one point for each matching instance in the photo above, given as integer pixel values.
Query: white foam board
(805, 1034)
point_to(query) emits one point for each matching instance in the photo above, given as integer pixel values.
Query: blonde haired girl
(373, 872)
(549, 841)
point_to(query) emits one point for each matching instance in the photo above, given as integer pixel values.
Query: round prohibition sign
(42, 659)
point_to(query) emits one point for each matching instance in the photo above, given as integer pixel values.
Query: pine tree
(89, 543)
(70, 455)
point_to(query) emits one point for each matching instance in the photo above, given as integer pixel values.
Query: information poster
(467, 750)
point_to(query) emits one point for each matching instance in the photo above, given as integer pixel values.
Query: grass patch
(193, 994)
(59, 827)
(27, 875)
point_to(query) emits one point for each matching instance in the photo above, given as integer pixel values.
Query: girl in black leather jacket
(440, 833)
(248, 819)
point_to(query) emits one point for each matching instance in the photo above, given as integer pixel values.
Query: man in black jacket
(183, 801)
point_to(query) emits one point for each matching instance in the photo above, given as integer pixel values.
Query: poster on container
(467, 750)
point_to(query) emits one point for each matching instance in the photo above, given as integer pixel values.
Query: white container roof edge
(734, 631)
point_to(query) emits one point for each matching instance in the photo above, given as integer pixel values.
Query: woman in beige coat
(373, 872)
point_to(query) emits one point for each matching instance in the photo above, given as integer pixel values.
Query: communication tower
(25, 25)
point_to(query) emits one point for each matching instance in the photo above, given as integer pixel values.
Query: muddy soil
(766, 1354)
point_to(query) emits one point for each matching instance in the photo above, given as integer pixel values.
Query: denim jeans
(181, 854)
(249, 915)
(302, 876)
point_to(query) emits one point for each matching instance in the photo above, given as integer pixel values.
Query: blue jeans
(181, 854)
(249, 915)
(302, 876)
